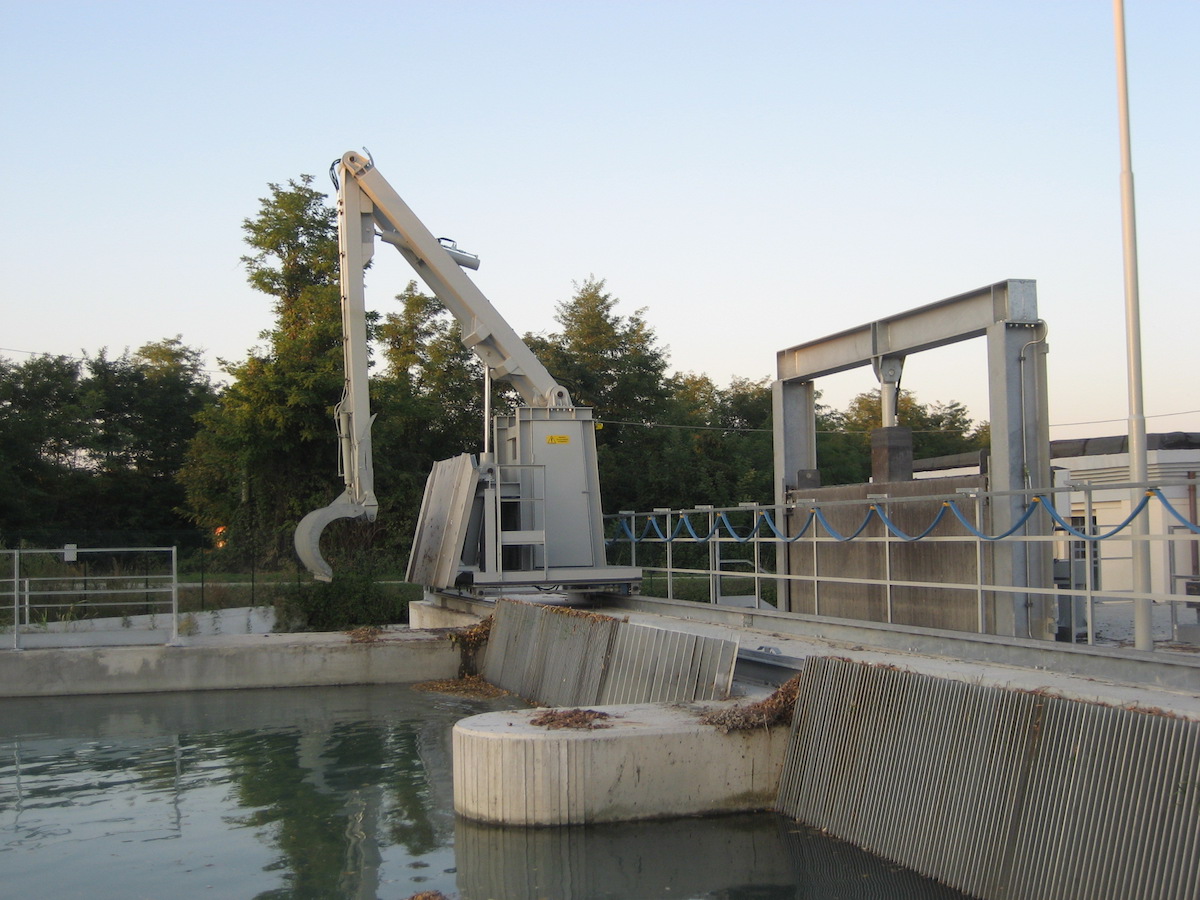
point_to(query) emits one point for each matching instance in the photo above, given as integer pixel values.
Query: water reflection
(301, 793)
(342, 792)
(744, 857)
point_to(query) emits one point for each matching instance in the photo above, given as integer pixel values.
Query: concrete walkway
(233, 660)
(1111, 676)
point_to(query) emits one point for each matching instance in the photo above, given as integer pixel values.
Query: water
(343, 793)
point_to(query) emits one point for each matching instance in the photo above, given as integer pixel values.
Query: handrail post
(670, 554)
(816, 583)
(752, 507)
(16, 592)
(631, 524)
(757, 560)
(174, 641)
(1090, 550)
(980, 607)
(714, 557)
(875, 500)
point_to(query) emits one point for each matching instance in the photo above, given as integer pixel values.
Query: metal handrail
(30, 594)
(769, 527)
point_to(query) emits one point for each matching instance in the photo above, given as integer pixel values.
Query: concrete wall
(428, 613)
(228, 662)
(921, 561)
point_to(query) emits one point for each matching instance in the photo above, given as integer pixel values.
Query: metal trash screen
(999, 793)
(566, 657)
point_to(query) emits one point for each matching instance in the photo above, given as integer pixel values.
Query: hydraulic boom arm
(484, 330)
(528, 513)
(356, 246)
(367, 202)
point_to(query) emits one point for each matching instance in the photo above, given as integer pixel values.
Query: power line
(745, 430)
(218, 372)
(40, 353)
(1186, 412)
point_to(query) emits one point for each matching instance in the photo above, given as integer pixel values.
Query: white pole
(487, 410)
(1143, 638)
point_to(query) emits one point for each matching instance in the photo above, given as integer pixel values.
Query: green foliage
(145, 439)
(41, 427)
(97, 442)
(352, 599)
(844, 438)
(434, 377)
(262, 457)
(295, 236)
(713, 446)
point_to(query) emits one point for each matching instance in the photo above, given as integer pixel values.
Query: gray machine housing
(528, 514)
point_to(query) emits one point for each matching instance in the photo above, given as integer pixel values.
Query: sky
(752, 175)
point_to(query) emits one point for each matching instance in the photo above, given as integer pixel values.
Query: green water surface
(343, 793)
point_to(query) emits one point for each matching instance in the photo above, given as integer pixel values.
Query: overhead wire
(1183, 412)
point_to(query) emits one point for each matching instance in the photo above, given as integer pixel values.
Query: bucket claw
(308, 533)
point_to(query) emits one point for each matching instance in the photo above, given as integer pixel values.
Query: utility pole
(1143, 638)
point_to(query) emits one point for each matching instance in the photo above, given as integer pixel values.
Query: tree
(612, 363)
(266, 449)
(140, 412)
(714, 446)
(423, 347)
(40, 433)
(177, 390)
(939, 429)
(93, 446)
(842, 455)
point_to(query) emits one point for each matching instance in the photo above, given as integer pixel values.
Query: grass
(695, 588)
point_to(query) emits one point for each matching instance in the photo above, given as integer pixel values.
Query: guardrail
(113, 595)
(751, 554)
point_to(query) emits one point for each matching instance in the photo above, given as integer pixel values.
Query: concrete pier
(653, 761)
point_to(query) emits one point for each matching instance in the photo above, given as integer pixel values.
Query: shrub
(349, 601)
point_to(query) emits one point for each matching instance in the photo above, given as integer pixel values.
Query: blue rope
(1190, 526)
(652, 522)
(983, 537)
(789, 540)
(833, 532)
(685, 521)
(815, 515)
(891, 526)
(1074, 532)
(723, 520)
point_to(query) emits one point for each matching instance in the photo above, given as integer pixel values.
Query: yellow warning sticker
(558, 439)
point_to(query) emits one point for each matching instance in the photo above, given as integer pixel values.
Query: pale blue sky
(754, 174)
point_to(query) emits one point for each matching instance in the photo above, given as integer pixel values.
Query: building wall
(1172, 563)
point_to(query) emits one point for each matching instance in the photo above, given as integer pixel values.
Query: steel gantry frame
(1006, 314)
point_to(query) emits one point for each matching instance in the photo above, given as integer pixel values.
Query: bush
(349, 601)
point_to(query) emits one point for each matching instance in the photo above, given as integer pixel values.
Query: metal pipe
(888, 404)
(487, 410)
(1143, 638)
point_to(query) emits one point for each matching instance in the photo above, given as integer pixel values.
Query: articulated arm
(356, 245)
(367, 201)
(484, 330)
